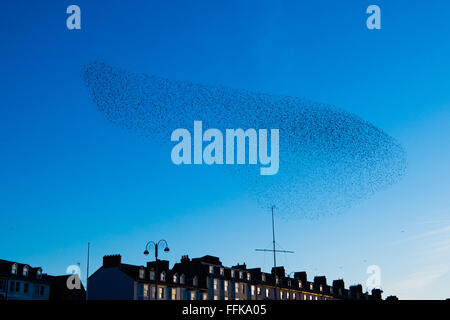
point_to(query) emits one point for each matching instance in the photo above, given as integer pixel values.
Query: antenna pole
(87, 271)
(274, 256)
(274, 250)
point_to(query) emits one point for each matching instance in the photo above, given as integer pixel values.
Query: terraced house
(20, 281)
(206, 278)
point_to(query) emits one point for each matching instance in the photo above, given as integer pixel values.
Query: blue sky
(67, 176)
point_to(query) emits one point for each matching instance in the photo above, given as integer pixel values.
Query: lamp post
(156, 246)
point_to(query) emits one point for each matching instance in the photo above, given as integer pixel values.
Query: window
(222, 271)
(141, 273)
(38, 273)
(216, 297)
(195, 281)
(163, 276)
(211, 269)
(236, 287)
(287, 295)
(299, 283)
(25, 271)
(14, 268)
(311, 287)
(289, 283)
(160, 293)
(192, 295)
(267, 293)
(263, 277)
(293, 296)
(25, 287)
(153, 292)
(11, 286)
(215, 284)
(182, 279)
(248, 276)
(241, 274)
(225, 285)
(174, 294)
(145, 290)
(253, 290)
(232, 273)
(258, 290)
(321, 288)
(281, 295)
(277, 279)
(17, 286)
(41, 291)
(175, 278)
(304, 297)
(205, 296)
(152, 275)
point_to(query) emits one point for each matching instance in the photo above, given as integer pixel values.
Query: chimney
(185, 259)
(240, 266)
(162, 265)
(376, 294)
(280, 271)
(301, 276)
(356, 291)
(112, 261)
(320, 280)
(338, 287)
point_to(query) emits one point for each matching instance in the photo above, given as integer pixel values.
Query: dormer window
(39, 274)
(299, 283)
(195, 281)
(248, 276)
(289, 283)
(263, 277)
(276, 279)
(321, 288)
(14, 268)
(152, 275)
(222, 271)
(182, 279)
(211, 269)
(25, 271)
(163, 276)
(311, 287)
(232, 273)
(175, 278)
(141, 273)
(241, 274)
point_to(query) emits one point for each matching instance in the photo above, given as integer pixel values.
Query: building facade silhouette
(206, 278)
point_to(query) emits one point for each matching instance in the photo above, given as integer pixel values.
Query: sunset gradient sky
(67, 176)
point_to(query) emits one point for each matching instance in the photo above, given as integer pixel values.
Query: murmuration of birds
(329, 159)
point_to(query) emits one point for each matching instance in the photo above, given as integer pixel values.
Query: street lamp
(156, 245)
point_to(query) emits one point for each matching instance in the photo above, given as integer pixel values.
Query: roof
(6, 267)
